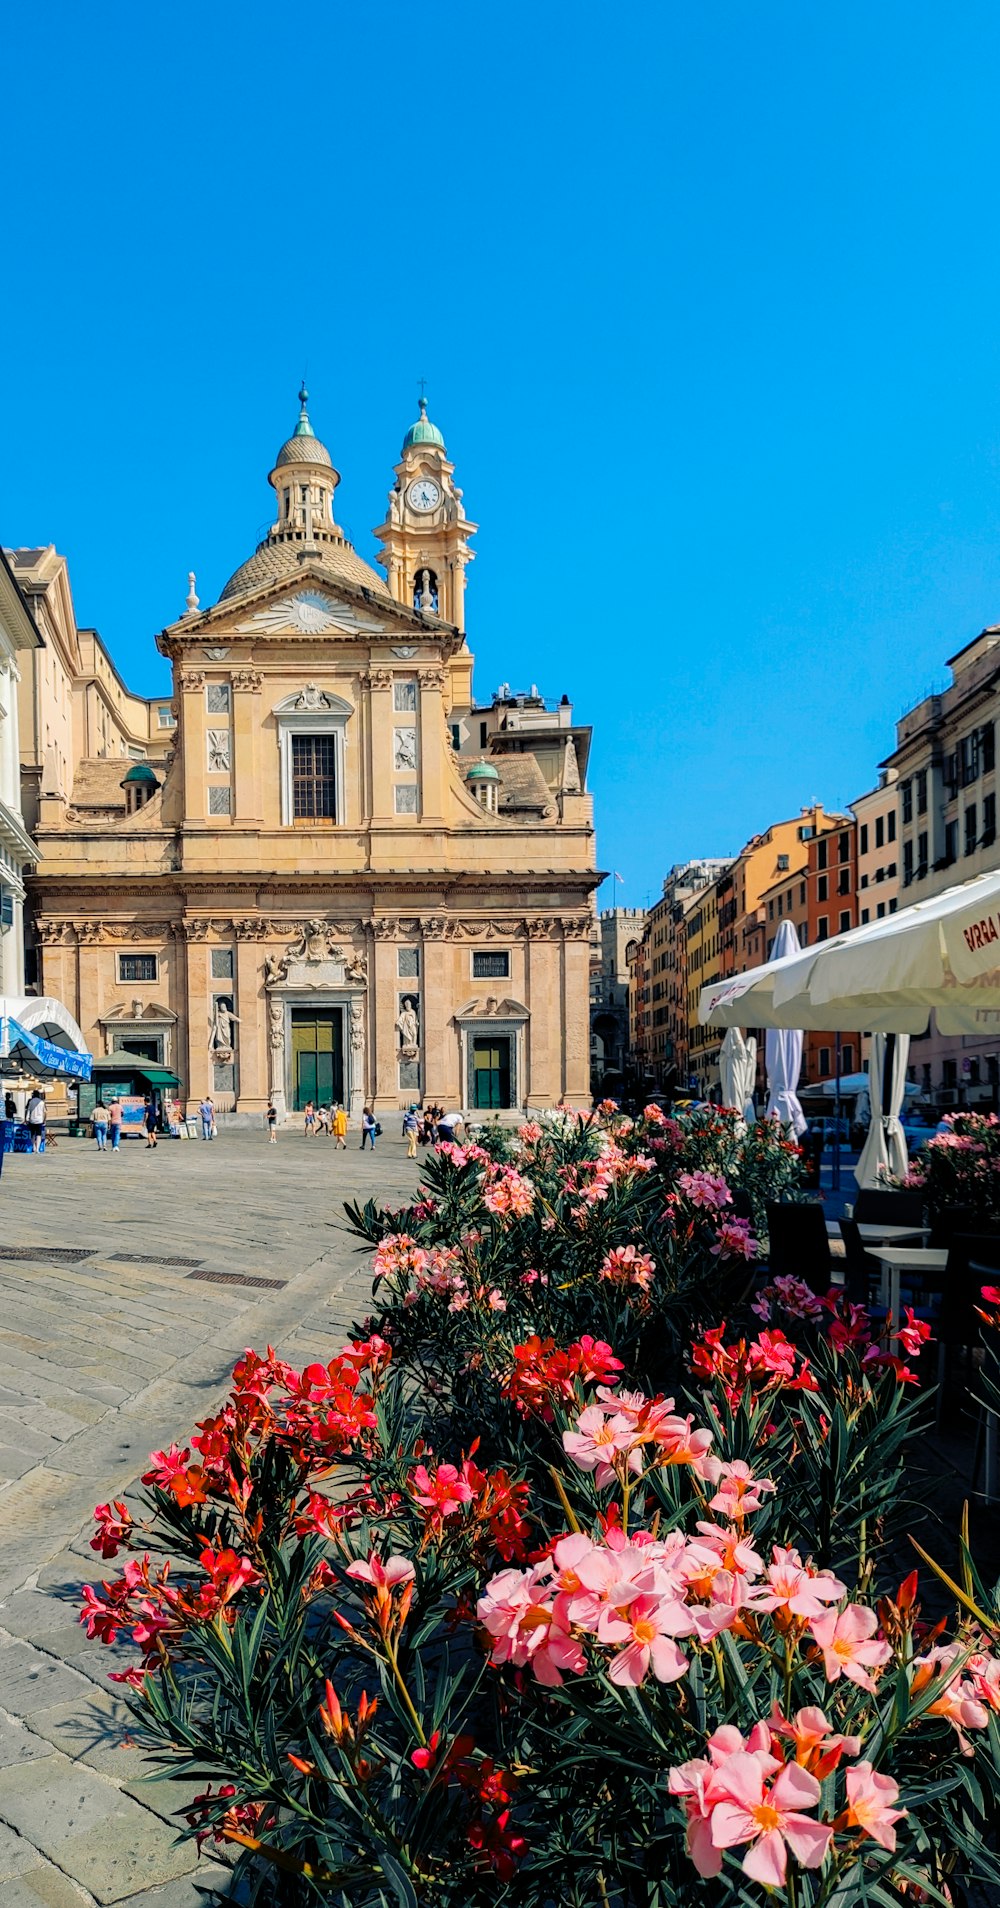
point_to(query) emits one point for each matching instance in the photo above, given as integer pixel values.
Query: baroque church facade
(326, 872)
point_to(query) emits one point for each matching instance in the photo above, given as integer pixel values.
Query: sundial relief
(314, 614)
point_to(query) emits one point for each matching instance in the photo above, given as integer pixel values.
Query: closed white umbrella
(738, 1071)
(886, 976)
(885, 1153)
(783, 1052)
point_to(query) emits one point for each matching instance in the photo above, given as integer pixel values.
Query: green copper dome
(423, 431)
(483, 772)
(139, 772)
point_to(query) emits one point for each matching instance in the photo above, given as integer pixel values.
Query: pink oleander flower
(734, 1240)
(770, 1816)
(598, 1441)
(165, 1466)
(510, 1195)
(675, 1438)
(708, 1191)
(625, 1266)
(495, 1300)
(526, 1629)
(530, 1133)
(817, 1745)
(773, 1352)
(960, 1701)
(398, 1253)
(869, 1804)
(738, 1492)
(646, 1631)
(913, 1335)
(796, 1297)
(444, 1493)
(849, 1644)
(382, 1575)
(793, 1587)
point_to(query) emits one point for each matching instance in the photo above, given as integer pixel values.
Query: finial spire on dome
(303, 428)
(423, 431)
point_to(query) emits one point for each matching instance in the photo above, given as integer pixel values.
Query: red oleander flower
(115, 1525)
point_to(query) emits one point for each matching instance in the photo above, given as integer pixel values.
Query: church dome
(483, 772)
(423, 431)
(303, 447)
(140, 773)
(276, 560)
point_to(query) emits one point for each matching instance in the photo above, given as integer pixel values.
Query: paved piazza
(109, 1351)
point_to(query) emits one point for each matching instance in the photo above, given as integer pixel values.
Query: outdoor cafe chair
(798, 1246)
(876, 1206)
(862, 1273)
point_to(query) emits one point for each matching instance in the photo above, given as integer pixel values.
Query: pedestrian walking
(206, 1113)
(35, 1117)
(369, 1128)
(149, 1122)
(100, 1123)
(410, 1128)
(115, 1122)
(271, 1117)
(339, 1128)
(309, 1112)
(322, 1119)
(9, 1107)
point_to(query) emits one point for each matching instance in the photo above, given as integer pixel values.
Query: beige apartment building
(321, 869)
(944, 778)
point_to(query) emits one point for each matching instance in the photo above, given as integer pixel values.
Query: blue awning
(40, 1056)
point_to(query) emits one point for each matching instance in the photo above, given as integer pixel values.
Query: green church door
(491, 1072)
(317, 1056)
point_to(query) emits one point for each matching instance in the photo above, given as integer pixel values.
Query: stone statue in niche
(408, 1029)
(223, 1025)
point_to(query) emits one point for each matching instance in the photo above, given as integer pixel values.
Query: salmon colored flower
(387, 1575)
(444, 1493)
(869, 1804)
(817, 1746)
(646, 1632)
(771, 1818)
(791, 1586)
(849, 1645)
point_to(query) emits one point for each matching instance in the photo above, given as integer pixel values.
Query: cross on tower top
(423, 386)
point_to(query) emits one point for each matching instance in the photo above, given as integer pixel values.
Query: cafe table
(875, 1234)
(897, 1259)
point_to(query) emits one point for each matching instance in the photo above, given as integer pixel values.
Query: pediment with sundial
(310, 613)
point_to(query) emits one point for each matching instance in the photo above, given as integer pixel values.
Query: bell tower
(424, 538)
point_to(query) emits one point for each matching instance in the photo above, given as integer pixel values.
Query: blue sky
(706, 299)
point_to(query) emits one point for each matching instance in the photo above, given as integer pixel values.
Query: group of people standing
(331, 1120)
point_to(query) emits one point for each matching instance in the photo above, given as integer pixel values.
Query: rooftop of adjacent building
(973, 669)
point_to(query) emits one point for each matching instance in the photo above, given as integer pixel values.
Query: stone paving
(112, 1342)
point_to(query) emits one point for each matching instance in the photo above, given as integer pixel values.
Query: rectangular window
(405, 794)
(921, 855)
(968, 758)
(482, 735)
(821, 854)
(950, 842)
(782, 863)
(970, 829)
(803, 935)
(879, 831)
(408, 963)
(821, 887)
(921, 791)
(489, 965)
(847, 1057)
(313, 778)
(864, 916)
(949, 1073)
(845, 921)
(456, 736)
(987, 748)
(844, 881)
(165, 717)
(217, 698)
(220, 801)
(137, 967)
(890, 833)
(863, 839)
(404, 696)
(824, 1062)
(222, 963)
(906, 797)
(770, 910)
(893, 905)
(864, 881)
(880, 911)
(802, 894)
(907, 863)
(844, 848)
(822, 928)
(989, 819)
(780, 905)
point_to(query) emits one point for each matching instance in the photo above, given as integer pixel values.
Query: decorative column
(432, 745)
(383, 1063)
(251, 1046)
(543, 1084)
(379, 685)
(198, 1080)
(247, 805)
(576, 1009)
(443, 1081)
(191, 687)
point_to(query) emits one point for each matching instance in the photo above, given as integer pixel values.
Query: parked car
(918, 1132)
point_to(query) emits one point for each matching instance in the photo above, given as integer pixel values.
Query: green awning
(158, 1076)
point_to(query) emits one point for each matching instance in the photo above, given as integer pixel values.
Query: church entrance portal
(491, 1072)
(317, 1056)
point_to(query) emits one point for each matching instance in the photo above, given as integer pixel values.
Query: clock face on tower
(423, 495)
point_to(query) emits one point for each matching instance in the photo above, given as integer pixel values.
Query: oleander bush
(572, 1579)
(961, 1167)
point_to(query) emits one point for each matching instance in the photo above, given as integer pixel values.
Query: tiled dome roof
(423, 431)
(303, 447)
(275, 560)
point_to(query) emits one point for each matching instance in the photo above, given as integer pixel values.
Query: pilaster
(251, 1038)
(247, 797)
(382, 1043)
(197, 1081)
(191, 695)
(544, 1083)
(432, 746)
(442, 1083)
(576, 1014)
(379, 684)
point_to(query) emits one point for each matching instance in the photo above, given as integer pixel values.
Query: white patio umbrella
(783, 1052)
(885, 1147)
(738, 1071)
(942, 954)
